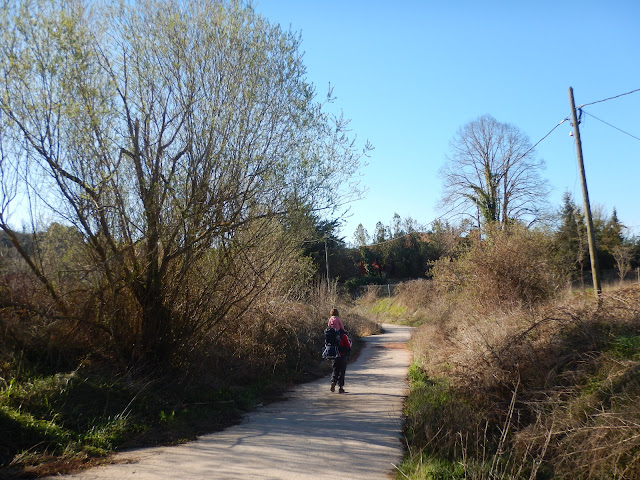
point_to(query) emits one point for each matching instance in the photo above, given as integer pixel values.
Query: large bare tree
(492, 174)
(175, 137)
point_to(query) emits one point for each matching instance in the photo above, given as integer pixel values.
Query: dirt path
(315, 434)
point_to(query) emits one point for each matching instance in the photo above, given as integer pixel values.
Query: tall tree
(567, 239)
(361, 236)
(492, 174)
(396, 224)
(380, 233)
(612, 233)
(324, 244)
(611, 246)
(409, 225)
(570, 241)
(175, 137)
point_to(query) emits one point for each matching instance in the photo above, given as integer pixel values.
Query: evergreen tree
(567, 239)
(611, 241)
(396, 222)
(612, 236)
(571, 242)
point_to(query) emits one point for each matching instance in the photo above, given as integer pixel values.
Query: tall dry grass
(522, 380)
(282, 333)
(65, 399)
(547, 390)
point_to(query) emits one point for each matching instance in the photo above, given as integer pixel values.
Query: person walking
(339, 364)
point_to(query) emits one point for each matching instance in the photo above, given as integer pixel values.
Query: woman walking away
(339, 363)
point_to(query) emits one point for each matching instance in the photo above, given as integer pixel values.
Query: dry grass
(273, 343)
(514, 377)
(556, 385)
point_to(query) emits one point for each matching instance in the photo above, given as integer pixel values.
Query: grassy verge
(406, 307)
(389, 309)
(58, 423)
(548, 392)
(435, 414)
(452, 436)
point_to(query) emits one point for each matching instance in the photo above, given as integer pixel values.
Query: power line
(322, 240)
(612, 126)
(580, 108)
(550, 132)
(393, 239)
(610, 98)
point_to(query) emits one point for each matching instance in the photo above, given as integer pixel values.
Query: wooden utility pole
(326, 261)
(593, 254)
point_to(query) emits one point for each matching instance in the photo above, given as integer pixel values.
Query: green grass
(436, 415)
(426, 467)
(79, 417)
(435, 393)
(625, 347)
(426, 404)
(54, 421)
(395, 310)
(388, 307)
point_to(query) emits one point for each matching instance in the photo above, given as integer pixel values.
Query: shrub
(507, 268)
(560, 380)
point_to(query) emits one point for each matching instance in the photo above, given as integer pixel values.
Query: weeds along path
(314, 434)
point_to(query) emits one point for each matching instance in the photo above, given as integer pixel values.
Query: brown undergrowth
(544, 391)
(65, 404)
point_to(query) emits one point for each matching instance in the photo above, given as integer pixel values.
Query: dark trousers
(339, 368)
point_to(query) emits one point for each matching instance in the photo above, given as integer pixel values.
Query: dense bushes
(546, 391)
(68, 395)
(515, 376)
(505, 269)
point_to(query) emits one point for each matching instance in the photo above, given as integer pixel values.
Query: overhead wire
(580, 113)
(612, 126)
(449, 211)
(393, 239)
(610, 98)
(549, 133)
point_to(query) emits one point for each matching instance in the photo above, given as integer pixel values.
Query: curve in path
(314, 434)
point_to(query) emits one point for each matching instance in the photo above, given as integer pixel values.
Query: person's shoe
(341, 390)
(333, 387)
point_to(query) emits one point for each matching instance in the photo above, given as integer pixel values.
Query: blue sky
(410, 73)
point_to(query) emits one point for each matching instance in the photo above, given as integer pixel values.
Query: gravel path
(314, 434)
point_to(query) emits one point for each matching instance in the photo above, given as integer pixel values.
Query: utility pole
(585, 198)
(326, 261)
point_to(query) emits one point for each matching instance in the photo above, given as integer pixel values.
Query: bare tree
(175, 137)
(410, 225)
(492, 174)
(623, 256)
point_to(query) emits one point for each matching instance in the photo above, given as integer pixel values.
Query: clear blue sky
(410, 73)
